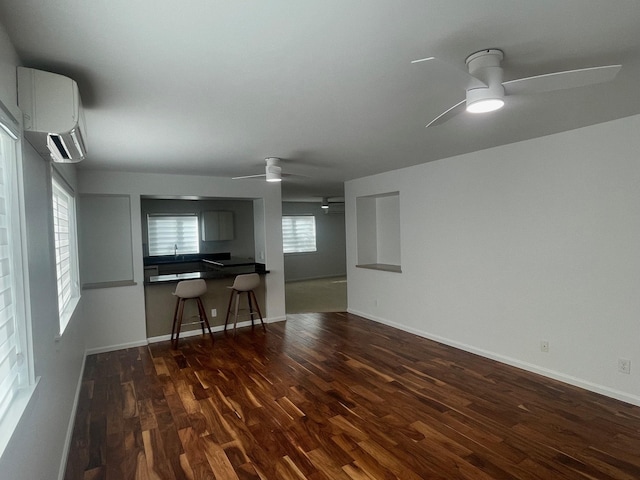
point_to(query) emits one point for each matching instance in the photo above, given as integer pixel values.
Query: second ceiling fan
(272, 171)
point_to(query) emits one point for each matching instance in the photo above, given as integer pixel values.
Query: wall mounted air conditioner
(53, 116)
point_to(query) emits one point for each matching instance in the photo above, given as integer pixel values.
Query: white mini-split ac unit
(53, 116)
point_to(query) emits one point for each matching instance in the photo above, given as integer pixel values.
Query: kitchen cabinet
(216, 226)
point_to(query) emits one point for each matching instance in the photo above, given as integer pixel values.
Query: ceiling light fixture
(325, 203)
(485, 66)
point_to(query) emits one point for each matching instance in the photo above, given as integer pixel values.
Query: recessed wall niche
(378, 231)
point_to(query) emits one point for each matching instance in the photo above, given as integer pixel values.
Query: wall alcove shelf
(378, 228)
(383, 267)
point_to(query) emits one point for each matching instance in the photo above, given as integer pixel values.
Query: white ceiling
(213, 87)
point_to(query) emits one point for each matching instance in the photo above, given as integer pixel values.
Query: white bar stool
(185, 290)
(244, 283)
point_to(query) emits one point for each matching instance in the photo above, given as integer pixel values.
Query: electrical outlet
(624, 366)
(544, 346)
(214, 312)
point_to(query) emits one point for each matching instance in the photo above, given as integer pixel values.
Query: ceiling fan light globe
(485, 106)
(483, 100)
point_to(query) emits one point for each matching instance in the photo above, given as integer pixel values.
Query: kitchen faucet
(175, 249)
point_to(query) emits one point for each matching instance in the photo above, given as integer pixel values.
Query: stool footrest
(193, 323)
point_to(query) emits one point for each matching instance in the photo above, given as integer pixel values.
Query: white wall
(37, 449)
(117, 314)
(506, 247)
(330, 258)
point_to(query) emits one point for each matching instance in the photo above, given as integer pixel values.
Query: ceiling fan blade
(299, 175)
(447, 115)
(460, 75)
(562, 80)
(249, 176)
(420, 60)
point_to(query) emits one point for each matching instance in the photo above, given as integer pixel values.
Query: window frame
(315, 235)
(19, 273)
(67, 308)
(177, 240)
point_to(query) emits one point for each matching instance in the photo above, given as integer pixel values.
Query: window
(299, 234)
(16, 363)
(66, 247)
(173, 234)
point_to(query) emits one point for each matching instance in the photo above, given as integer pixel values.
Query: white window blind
(64, 230)
(173, 234)
(13, 368)
(298, 234)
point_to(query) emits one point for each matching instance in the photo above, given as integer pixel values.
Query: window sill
(66, 316)
(9, 423)
(120, 283)
(383, 267)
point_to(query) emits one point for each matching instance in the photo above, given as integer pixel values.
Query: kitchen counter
(229, 262)
(218, 270)
(209, 274)
(160, 303)
(186, 258)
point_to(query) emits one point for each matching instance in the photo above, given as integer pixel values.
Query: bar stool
(185, 290)
(244, 283)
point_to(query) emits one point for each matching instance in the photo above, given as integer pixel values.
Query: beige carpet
(320, 295)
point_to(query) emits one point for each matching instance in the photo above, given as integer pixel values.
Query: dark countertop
(177, 277)
(206, 275)
(230, 262)
(187, 258)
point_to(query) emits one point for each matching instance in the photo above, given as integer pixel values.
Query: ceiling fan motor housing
(485, 66)
(273, 170)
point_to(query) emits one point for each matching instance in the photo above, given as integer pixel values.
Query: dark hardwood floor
(334, 396)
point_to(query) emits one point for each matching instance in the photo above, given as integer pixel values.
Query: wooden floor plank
(335, 396)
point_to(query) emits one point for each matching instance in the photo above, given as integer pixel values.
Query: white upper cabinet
(216, 226)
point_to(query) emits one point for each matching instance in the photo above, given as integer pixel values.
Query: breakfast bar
(218, 273)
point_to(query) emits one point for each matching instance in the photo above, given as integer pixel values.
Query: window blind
(10, 351)
(173, 234)
(298, 234)
(62, 204)
(66, 249)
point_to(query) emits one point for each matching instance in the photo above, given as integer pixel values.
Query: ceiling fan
(272, 171)
(326, 201)
(485, 91)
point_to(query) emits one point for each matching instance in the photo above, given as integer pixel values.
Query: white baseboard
(162, 338)
(112, 348)
(72, 421)
(554, 374)
(215, 329)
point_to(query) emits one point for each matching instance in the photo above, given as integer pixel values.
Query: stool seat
(246, 283)
(189, 290)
